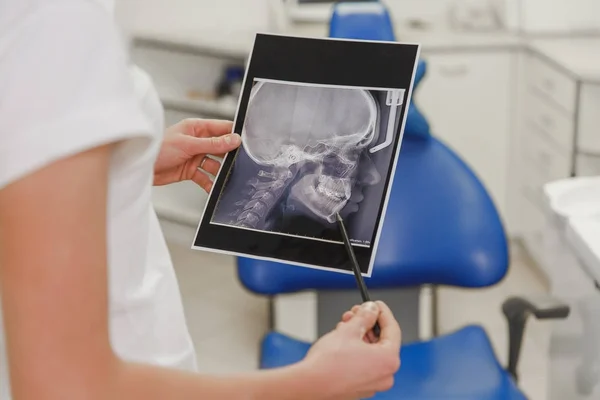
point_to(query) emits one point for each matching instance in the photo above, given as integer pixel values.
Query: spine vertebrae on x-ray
(267, 189)
(265, 193)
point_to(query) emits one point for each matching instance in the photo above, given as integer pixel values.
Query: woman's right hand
(349, 363)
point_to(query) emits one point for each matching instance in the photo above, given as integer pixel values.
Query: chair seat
(459, 366)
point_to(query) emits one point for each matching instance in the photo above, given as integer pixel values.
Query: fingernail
(370, 306)
(232, 139)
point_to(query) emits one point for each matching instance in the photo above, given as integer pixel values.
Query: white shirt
(65, 87)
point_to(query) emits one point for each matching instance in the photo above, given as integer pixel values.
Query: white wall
(196, 15)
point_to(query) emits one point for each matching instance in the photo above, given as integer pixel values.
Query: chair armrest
(517, 310)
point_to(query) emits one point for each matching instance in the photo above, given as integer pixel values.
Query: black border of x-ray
(320, 61)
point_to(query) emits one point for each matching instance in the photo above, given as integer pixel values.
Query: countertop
(583, 235)
(576, 214)
(579, 56)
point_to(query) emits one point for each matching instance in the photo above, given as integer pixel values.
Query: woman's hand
(350, 362)
(184, 151)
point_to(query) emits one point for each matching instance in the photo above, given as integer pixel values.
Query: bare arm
(53, 282)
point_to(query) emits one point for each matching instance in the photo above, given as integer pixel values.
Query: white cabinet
(550, 16)
(588, 121)
(587, 164)
(186, 78)
(544, 137)
(466, 98)
(557, 136)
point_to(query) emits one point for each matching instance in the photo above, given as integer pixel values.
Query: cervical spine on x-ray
(288, 126)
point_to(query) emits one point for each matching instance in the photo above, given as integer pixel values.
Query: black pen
(356, 268)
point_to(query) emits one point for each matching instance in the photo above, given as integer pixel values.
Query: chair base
(405, 303)
(459, 366)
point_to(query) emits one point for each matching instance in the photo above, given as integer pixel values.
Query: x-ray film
(321, 122)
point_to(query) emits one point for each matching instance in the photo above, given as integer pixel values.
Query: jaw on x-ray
(306, 152)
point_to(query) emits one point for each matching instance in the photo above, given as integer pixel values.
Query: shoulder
(69, 33)
(61, 49)
(65, 83)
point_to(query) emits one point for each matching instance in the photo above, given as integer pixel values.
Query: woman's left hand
(185, 147)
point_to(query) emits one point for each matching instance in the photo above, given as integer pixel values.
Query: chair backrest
(441, 226)
(363, 20)
(370, 20)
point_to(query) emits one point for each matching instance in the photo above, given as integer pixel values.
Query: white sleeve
(65, 87)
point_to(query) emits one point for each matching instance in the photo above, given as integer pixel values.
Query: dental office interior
(496, 207)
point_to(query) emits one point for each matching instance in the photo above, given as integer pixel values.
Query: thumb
(364, 320)
(211, 145)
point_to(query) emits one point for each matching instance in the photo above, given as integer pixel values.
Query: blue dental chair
(441, 228)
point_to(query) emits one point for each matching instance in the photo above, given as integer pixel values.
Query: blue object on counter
(234, 74)
(231, 82)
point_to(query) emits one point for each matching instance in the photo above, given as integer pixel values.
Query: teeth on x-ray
(339, 188)
(324, 198)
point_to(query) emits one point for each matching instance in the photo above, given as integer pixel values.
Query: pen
(356, 268)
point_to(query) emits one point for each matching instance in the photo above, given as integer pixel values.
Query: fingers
(214, 127)
(204, 128)
(366, 395)
(347, 316)
(209, 165)
(202, 166)
(370, 337)
(391, 335)
(363, 320)
(386, 384)
(202, 180)
(210, 145)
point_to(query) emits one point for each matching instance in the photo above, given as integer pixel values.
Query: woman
(90, 302)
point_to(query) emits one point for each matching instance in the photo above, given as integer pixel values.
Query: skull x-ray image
(321, 122)
(308, 152)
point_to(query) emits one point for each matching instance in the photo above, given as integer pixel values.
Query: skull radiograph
(305, 157)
